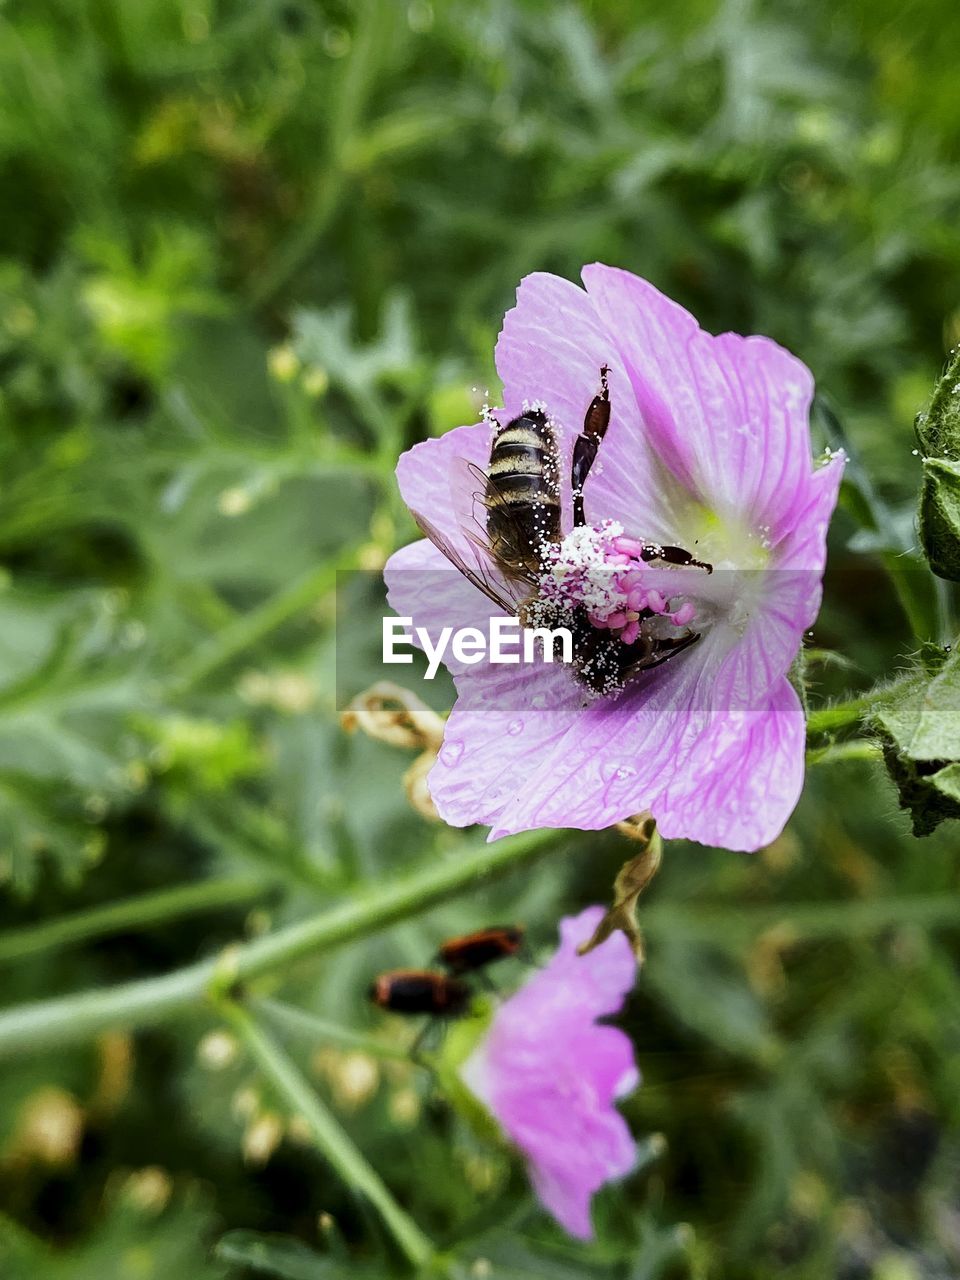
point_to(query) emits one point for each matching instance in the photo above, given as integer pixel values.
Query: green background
(248, 253)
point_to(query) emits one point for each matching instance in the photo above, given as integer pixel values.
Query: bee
(474, 951)
(520, 495)
(419, 991)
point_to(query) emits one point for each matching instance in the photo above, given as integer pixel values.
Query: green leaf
(939, 516)
(69, 680)
(920, 734)
(132, 1240)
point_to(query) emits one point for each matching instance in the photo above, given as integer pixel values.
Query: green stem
(807, 920)
(249, 629)
(371, 46)
(132, 913)
(48, 1023)
(330, 1138)
(319, 1029)
(841, 714)
(837, 752)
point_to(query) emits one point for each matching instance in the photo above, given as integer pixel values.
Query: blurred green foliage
(248, 253)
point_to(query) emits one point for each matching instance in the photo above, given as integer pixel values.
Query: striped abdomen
(523, 494)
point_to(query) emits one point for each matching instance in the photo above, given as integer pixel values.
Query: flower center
(624, 585)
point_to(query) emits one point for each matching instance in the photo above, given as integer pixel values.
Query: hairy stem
(839, 715)
(133, 913)
(47, 1023)
(328, 1135)
(836, 752)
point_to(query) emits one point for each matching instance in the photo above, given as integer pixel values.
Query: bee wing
(513, 537)
(476, 574)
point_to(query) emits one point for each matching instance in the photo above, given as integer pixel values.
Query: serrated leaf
(67, 688)
(920, 734)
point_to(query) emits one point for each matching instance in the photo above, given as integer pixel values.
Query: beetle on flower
(707, 449)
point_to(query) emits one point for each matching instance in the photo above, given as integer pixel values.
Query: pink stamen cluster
(604, 570)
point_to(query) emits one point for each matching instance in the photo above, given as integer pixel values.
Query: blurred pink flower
(708, 449)
(550, 1074)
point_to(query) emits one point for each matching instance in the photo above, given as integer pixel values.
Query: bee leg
(595, 423)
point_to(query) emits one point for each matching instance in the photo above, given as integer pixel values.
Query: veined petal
(711, 763)
(550, 1074)
(742, 777)
(708, 449)
(423, 585)
(434, 482)
(551, 348)
(727, 415)
(505, 717)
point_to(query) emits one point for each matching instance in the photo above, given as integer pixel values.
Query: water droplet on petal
(450, 753)
(617, 772)
(515, 727)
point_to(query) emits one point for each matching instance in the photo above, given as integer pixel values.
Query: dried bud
(49, 1127)
(389, 713)
(632, 878)
(415, 783)
(262, 1138)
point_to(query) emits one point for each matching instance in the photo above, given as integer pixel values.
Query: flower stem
(133, 913)
(835, 752)
(330, 1138)
(736, 926)
(250, 628)
(371, 47)
(47, 1023)
(841, 714)
(314, 1028)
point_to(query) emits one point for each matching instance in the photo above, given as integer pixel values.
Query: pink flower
(550, 1074)
(708, 449)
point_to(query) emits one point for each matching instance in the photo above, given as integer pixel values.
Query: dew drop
(450, 753)
(515, 727)
(617, 772)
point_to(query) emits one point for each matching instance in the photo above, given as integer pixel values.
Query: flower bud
(938, 431)
(939, 516)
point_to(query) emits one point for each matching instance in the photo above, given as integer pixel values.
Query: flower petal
(727, 415)
(495, 740)
(550, 1075)
(551, 348)
(741, 778)
(710, 766)
(423, 585)
(505, 717)
(434, 480)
